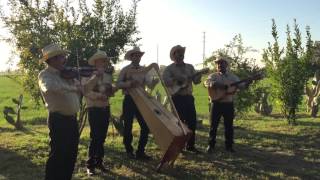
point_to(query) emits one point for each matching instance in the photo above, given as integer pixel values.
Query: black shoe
(102, 168)
(142, 156)
(130, 155)
(210, 149)
(91, 171)
(193, 149)
(230, 149)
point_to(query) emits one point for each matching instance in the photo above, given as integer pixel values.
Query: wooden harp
(169, 132)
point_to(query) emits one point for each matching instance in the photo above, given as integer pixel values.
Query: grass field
(267, 148)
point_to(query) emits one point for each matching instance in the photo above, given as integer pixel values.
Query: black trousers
(187, 113)
(64, 140)
(99, 121)
(219, 109)
(130, 110)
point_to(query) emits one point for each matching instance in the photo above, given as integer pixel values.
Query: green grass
(267, 148)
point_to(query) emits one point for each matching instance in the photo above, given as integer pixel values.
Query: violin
(73, 72)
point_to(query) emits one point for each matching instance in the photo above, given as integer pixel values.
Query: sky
(166, 23)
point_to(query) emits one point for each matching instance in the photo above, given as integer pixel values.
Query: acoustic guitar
(217, 94)
(178, 85)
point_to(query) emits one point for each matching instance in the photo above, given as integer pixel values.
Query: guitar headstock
(203, 71)
(258, 76)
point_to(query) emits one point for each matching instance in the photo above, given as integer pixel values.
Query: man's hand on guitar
(134, 83)
(219, 85)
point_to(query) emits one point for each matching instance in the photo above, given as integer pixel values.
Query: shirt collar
(135, 67)
(180, 65)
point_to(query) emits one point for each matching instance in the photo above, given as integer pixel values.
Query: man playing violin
(223, 106)
(97, 91)
(129, 108)
(179, 71)
(61, 98)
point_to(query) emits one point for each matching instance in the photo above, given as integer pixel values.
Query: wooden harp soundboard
(169, 132)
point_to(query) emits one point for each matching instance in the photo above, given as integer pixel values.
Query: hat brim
(92, 60)
(53, 54)
(127, 56)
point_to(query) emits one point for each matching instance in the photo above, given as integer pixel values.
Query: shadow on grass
(314, 122)
(14, 166)
(12, 130)
(260, 154)
(281, 156)
(36, 121)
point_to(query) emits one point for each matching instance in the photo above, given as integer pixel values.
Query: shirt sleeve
(121, 78)
(195, 80)
(167, 76)
(209, 81)
(48, 83)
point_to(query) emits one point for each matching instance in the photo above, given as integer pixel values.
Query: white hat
(52, 50)
(127, 56)
(98, 55)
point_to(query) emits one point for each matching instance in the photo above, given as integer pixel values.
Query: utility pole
(204, 49)
(158, 54)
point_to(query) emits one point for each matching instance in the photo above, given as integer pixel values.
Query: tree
(242, 66)
(35, 23)
(288, 71)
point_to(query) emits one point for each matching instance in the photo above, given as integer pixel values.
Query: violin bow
(78, 66)
(175, 112)
(84, 111)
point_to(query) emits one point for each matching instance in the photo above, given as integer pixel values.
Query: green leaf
(15, 101)
(10, 119)
(8, 110)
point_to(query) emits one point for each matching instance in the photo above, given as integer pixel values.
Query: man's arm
(122, 80)
(195, 79)
(49, 84)
(167, 77)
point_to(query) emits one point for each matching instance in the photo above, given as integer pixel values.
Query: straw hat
(127, 56)
(174, 49)
(98, 55)
(52, 50)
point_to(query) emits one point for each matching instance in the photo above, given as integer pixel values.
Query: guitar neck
(239, 82)
(203, 71)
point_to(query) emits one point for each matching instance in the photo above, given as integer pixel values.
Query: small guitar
(178, 85)
(217, 94)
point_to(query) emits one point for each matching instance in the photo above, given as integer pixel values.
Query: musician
(224, 106)
(61, 98)
(97, 91)
(177, 73)
(129, 108)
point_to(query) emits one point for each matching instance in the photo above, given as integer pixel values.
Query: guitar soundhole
(157, 112)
